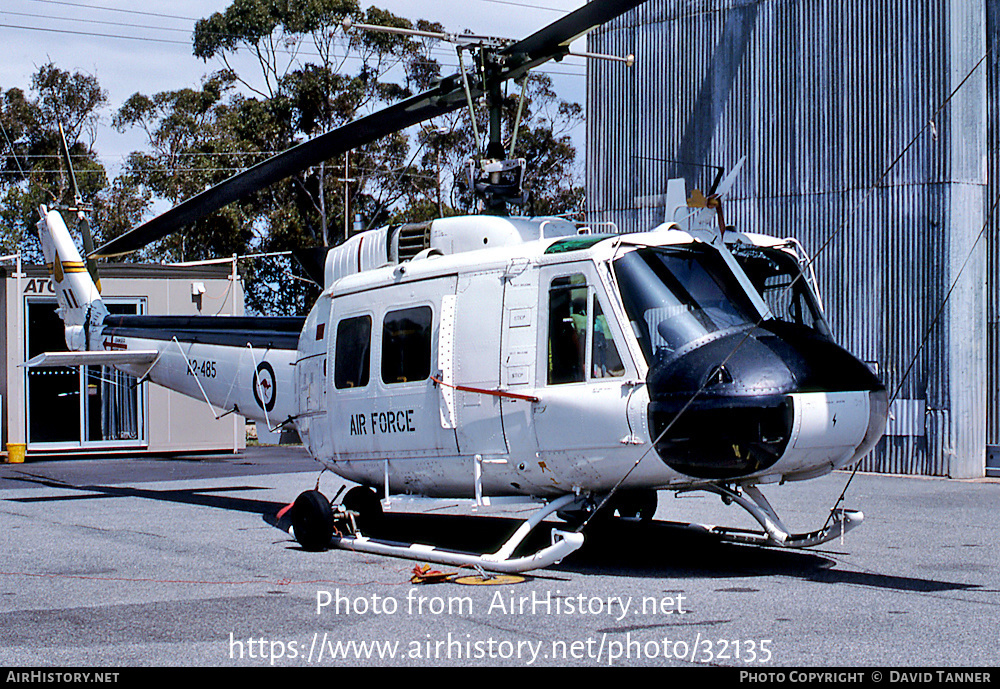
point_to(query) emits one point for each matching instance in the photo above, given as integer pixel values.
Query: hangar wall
(823, 97)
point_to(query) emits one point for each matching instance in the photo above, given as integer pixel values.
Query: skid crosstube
(563, 543)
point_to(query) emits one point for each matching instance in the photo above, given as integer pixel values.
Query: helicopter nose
(779, 399)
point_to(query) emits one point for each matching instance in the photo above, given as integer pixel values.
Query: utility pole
(347, 194)
(322, 204)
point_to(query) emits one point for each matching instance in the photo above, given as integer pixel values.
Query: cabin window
(406, 345)
(353, 356)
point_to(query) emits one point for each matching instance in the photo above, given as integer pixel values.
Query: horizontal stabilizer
(92, 358)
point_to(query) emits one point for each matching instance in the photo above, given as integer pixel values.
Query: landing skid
(562, 544)
(775, 533)
(320, 526)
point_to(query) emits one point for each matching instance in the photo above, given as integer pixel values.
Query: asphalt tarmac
(177, 562)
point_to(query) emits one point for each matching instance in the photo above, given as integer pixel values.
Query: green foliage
(198, 137)
(311, 79)
(255, 22)
(33, 171)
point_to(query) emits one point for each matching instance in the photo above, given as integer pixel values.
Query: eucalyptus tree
(33, 169)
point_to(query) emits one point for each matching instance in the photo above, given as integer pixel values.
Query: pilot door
(384, 403)
(584, 374)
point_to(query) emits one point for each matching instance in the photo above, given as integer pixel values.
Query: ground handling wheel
(312, 520)
(367, 509)
(637, 504)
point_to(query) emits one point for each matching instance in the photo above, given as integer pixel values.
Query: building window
(79, 406)
(353, 355)
(406, 345)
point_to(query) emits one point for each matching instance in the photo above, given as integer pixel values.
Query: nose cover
(726, 399)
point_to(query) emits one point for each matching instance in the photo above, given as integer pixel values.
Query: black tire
(638, 504)
(647, 505)
(312, 520)
(368, 507)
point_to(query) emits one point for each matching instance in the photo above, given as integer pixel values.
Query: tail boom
(241, 365)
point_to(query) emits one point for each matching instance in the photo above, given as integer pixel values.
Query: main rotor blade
(307, 154)
(554, 39)
(449, 95)
(77, 199)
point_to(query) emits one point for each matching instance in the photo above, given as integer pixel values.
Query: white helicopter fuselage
(483, 414)
(473, 416)
(501, 360)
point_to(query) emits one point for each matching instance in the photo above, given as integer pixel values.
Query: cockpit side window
(605, 362)
(578, 326)
(568, 298)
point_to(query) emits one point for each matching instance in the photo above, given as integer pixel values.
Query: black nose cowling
(734, 391)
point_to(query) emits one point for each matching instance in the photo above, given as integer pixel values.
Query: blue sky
(145, 47)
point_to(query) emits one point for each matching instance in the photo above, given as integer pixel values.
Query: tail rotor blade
(88, 249)
(730, 180)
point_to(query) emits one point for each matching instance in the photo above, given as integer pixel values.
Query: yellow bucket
(15, 453)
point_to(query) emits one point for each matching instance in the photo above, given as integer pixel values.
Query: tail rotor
(81, 217)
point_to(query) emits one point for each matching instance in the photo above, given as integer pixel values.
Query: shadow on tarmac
(204, 497)
(617, 548)
(631, 549)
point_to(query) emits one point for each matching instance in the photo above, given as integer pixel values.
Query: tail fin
(80, 305)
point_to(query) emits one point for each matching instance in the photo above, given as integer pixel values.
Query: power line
(114, 9)
(97, 35)
(95, 21)
(527, 5)
(126, 155)
(179, 30)
(187, 43)
(206, 170)
(544, 8)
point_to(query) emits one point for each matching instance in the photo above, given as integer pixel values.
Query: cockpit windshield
(675, 296)
(778, 278)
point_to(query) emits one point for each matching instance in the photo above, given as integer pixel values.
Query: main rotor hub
(498, 182)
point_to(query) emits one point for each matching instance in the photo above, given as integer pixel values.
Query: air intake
(411, 239)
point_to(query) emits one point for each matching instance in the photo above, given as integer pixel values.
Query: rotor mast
(491, 176)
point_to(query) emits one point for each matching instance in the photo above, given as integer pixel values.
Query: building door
(79, 407)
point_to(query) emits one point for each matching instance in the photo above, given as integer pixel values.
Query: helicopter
(495, 357)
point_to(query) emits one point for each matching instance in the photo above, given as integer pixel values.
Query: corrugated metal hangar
(870, 134)
(95, 409)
